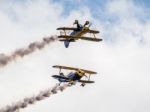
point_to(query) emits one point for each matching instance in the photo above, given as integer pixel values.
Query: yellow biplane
(75, 76)
(77, 33)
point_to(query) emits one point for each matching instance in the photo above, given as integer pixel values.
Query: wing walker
(77, 33)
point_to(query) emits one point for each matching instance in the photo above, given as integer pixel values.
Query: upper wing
(93, 31)
(72, 68)
(85, 81)
(66, 28)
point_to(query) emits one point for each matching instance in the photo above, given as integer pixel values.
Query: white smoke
(5, 59)
(33, 99)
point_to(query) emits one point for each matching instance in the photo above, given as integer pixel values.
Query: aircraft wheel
(82, 84)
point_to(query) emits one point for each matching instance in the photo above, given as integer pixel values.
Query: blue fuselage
(76, 33)
(72, 76)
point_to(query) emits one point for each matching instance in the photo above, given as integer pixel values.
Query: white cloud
(128, 25)
(123, 80)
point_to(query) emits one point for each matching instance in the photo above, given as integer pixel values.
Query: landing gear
(72, 83)
(59, 84)
(83, 84)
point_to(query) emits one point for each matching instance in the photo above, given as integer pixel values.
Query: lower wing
(78, 37)
(85, 81)
(91, 39)
(67, 37)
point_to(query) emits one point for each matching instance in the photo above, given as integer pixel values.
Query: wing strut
(59, 70)
(89, 77)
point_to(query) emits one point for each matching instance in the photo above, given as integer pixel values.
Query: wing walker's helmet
(75, 22)
(86, 23)
(80, 72)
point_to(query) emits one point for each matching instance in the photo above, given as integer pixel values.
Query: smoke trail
(31, 100)
(5, 59)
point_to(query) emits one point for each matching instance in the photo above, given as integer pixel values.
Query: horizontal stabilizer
(82, 38)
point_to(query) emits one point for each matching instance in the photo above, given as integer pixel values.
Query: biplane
(77, 33)
(73, 77)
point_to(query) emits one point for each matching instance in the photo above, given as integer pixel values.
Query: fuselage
(72, 76)
(80, 31)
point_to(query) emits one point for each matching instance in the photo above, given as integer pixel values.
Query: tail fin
(66, 43)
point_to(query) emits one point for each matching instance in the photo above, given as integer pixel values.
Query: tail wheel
(83, 84)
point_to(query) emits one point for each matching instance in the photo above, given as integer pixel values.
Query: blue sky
(97, 7)
(98, 10)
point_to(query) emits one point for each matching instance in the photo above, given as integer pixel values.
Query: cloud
(121, 60)
(128, 25)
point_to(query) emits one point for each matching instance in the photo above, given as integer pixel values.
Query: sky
(121, 59)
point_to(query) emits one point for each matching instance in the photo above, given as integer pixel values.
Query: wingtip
(54, 66)
(98, 40)
(94, 73)
(58, 29)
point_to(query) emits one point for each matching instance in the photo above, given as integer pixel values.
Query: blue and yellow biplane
(77, 33)
(73, 77)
